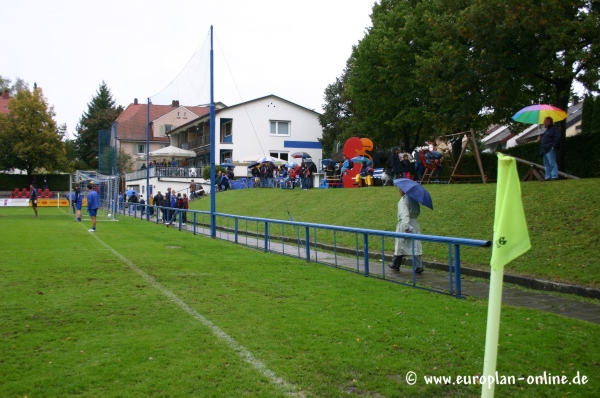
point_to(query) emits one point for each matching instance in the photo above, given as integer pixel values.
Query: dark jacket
(550, 139)
(396, 166)
(405, 166)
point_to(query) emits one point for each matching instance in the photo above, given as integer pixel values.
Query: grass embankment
(77, 321)
(562, 217)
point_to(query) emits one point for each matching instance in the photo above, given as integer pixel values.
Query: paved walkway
(436, 280)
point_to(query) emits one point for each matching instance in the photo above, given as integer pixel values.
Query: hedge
(56, 182)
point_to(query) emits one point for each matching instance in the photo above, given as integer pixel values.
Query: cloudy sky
(292, 49)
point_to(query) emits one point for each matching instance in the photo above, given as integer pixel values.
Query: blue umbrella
(130, 191)
(290, 164)
(415, 191)
(253, 164)
(227, 165)
(327, 161)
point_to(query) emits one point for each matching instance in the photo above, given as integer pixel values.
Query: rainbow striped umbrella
(535, 114)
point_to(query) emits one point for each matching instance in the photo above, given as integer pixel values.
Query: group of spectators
(291, 175)
(170, 200)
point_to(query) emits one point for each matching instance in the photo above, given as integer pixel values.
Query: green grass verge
(562, 217)
(77, 321)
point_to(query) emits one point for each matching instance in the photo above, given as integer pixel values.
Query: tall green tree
(392, 106)
(531, 51)
(337, 111)
(29, 136)
(587, 114)
(101, 113)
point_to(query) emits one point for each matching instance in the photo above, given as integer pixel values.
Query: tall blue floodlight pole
(213, 205)
(147, 158)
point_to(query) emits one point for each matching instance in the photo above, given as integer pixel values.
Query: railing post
(194, 223)
(457, 268)
(307, 241)
(236, 229)
(266, 236)
(366, 253)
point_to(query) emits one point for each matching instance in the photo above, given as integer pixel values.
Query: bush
(206, 171)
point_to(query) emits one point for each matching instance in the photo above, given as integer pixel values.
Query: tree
(7, 85)
(100, 115)
(528, 51)
(336, 114)
(29, 136)
(587, 114)
(392, 104)
(107, 158)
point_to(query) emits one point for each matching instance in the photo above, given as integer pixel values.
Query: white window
(164, 129)
(280, 155)
(280, 127)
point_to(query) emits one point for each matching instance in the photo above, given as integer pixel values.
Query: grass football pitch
(137, 309)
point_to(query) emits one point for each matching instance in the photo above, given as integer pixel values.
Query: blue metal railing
(300, 234)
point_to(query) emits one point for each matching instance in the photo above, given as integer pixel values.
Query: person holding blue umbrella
(411, 194)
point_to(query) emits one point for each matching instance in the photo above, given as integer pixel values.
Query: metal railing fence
(314, 242)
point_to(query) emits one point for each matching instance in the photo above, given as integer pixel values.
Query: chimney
(135, 101)
(6, 94)
(175, 104)
(575, 100)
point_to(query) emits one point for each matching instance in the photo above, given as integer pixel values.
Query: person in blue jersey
(33, 198)
(92, 205)
(78, 201)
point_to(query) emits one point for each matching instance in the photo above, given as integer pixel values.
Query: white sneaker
(183, 224)
(91, 230)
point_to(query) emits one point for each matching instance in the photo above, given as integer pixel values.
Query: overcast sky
(292, 49)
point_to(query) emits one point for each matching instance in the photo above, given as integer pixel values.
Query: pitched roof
(132, 122)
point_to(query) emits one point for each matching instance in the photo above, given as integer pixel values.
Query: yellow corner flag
(511, 238)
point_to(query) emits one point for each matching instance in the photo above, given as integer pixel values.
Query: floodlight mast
(213, 207)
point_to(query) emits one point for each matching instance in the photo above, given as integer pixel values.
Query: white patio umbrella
(172, 152)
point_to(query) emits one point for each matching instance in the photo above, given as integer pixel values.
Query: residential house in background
(131, 126)
(266, 126)
(4, 102)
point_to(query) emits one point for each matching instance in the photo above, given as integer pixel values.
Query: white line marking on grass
(246, 355)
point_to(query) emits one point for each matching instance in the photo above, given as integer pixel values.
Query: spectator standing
(157, 202)
(45, 183)
(92, 206)
(33, 199)
(142, 202)
(185, 207)
(396, 164)
(164, 204)
(405, 166)
(192, 190)
(549, 143)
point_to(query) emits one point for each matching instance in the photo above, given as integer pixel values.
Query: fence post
(307, 241)
(457, 268)
(366, 253)
(236, 229)
(266, 236)
(194, 223)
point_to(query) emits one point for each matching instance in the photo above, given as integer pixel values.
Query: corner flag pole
(213, 192)
(511, 239)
